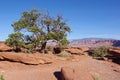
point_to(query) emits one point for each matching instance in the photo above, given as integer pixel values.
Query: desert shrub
(97, 78)
(15, 41)
(64, 54)
(2, 77)
(29, 48)
(101, 52)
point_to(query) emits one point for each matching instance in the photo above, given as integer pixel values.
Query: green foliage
(64, 54)
(15, 41)
(97, 78)
(2, 77)
(29, 48)
(101, 52)
(37, 28)
(64, 43)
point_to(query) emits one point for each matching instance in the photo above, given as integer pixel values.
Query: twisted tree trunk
(43, 47)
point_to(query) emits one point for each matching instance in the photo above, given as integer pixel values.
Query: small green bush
(64, 54)
(29, 48)
(101, 52)
(97, 78)
(2, 77)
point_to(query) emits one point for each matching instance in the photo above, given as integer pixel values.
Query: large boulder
(23, 58)
(67, 73)
(115, 52)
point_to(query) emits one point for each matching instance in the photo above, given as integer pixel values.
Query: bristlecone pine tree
(35, 29)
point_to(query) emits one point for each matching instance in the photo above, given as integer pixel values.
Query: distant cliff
(94, 42)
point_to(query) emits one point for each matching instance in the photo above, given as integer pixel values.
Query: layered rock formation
(115, 52)
(24, 58)
(95, 43)
(77, 50)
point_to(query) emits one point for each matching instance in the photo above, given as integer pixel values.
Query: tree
(38, 28)
(15, 41)
(58, 32)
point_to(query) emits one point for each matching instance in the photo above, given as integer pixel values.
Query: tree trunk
(43, 47)
(17, 49)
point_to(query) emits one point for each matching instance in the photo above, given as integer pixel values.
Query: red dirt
(85, 67)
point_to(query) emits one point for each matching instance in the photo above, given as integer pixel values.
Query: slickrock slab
(23, 58)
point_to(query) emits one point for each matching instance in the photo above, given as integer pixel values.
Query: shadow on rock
(57, 74)
(116, 60)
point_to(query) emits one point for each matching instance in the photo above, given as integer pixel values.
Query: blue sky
(87, 18)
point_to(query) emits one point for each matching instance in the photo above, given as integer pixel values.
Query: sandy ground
(85, 67)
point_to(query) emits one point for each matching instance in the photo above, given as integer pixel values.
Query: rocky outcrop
(115, 52)
(84, 49)
(23, 58)
(4, 47)
(67, 73)
(77, 50)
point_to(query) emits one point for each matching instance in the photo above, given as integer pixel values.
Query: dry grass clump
(64, 54)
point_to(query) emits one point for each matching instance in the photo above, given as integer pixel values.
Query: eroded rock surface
(23, 58)
(77, 50)
(67, 73)
(115, 52)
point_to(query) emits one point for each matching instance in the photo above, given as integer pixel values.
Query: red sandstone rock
(115, 52)
(23, 58)
(77, 50)
(67, 73)
(4, 47)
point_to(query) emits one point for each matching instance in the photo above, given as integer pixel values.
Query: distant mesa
(94, 42)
